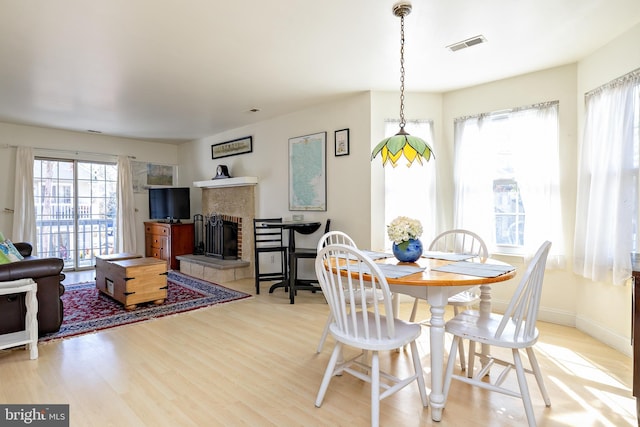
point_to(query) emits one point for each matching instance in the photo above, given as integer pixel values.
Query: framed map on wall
(308, 172)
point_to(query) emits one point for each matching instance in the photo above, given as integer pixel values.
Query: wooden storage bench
(131, 279)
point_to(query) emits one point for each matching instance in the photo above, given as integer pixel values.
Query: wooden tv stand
(166, 241)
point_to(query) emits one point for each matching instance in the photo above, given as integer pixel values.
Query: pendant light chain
(412, 148)
(402, 121)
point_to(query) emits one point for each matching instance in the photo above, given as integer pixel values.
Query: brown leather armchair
(47, 273)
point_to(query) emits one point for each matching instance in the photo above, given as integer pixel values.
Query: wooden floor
(253, 363)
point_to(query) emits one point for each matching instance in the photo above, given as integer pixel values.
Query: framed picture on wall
(232, 148)
(342, 142)
(145, 175)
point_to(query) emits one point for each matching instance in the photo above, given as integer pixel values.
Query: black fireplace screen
(221, 238)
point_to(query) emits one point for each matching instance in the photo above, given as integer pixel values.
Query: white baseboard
(604, 335)
(595, 330)
(545, 314)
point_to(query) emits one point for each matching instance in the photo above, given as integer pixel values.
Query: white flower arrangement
(403, 228)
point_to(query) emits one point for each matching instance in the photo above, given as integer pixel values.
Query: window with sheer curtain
(412, 191)
(506, 179)
(607, 201)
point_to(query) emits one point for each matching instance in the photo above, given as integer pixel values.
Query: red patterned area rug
(88, 310)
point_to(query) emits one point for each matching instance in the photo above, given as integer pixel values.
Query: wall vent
(467, 43)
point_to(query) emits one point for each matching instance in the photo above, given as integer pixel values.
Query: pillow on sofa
(10, 251)
(4, 259)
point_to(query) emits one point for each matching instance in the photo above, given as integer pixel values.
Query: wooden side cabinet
(167, 241)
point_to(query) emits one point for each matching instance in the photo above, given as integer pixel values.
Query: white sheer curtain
(126, 207)
(412, 191)
(537, 171)
(607, 200)
(24, 216)
(521, 143)
(473, 170)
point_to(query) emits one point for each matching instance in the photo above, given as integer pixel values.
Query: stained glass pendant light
(392, 148)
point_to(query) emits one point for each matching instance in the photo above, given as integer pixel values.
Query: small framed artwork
(342, 142)
(232, 148)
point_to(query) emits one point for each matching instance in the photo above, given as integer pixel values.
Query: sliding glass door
(76, 205)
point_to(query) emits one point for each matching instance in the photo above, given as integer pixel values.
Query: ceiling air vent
(466, 43)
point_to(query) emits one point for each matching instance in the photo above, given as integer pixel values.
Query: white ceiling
(174, 70)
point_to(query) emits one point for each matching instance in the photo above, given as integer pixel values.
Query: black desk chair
(302, 253)
(269, 240)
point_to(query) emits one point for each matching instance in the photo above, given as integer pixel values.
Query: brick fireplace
(231, 198)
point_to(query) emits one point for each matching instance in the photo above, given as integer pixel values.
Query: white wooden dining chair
(361, 324)
(457, 241)
(516, 330)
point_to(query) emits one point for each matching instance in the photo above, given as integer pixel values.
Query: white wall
(354, 204)
(348, 197)
(68, 143)
(604, 310)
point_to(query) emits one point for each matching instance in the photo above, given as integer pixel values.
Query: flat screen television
(169, 203)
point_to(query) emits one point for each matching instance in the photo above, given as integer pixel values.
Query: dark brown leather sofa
(47, 272)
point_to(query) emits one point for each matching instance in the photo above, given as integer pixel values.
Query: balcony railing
(57, 237)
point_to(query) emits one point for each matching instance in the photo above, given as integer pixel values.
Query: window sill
(507, 257)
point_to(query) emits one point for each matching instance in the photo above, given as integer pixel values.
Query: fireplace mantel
(227, 182)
